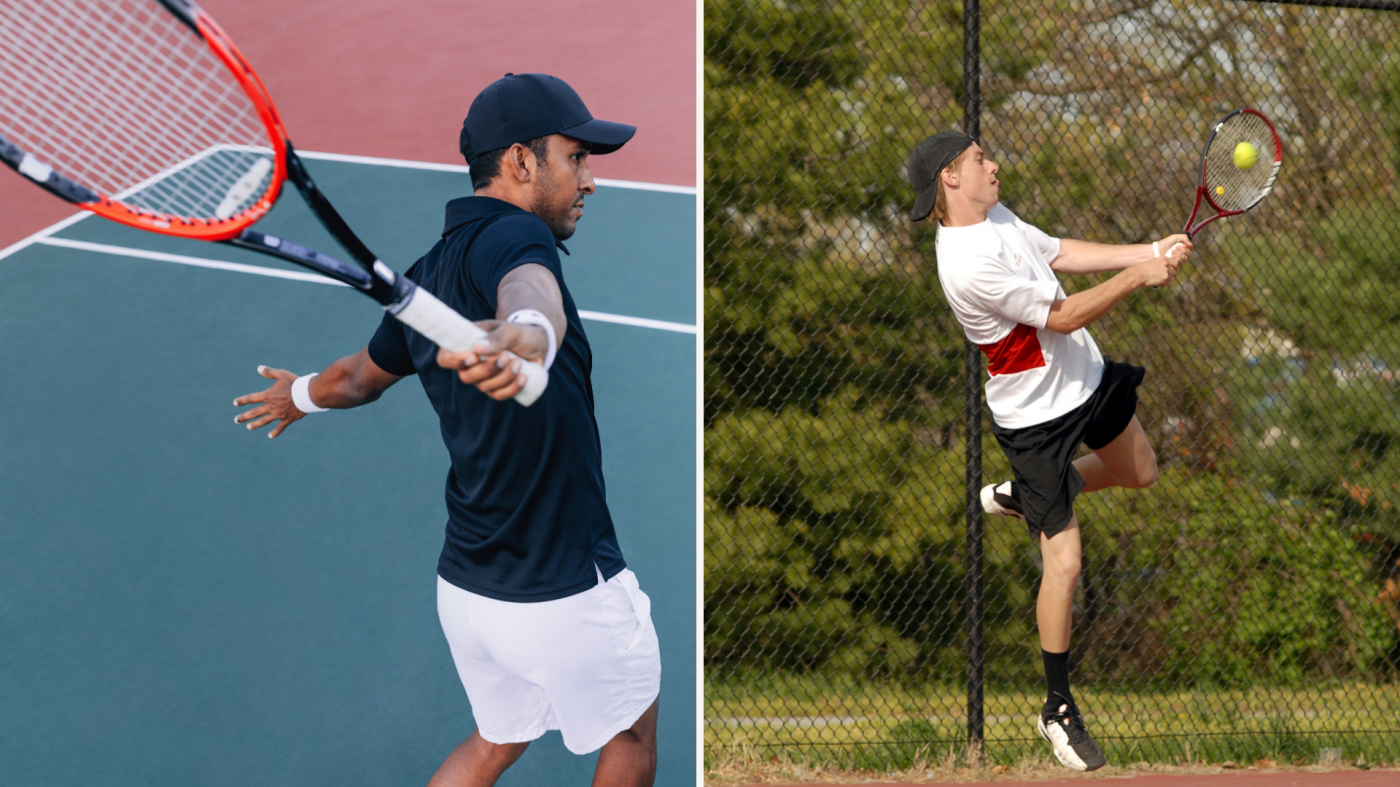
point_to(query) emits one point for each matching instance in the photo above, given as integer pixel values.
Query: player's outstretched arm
(1082, 308)
(1078, 256)
(349, 382)
(527, 287)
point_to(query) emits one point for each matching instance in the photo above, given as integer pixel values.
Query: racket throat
(323, 264)
(326, 212)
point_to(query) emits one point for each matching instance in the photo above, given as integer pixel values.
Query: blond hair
(940, 197)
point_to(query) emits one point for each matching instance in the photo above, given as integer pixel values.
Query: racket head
(1231, 189)
(142, 111)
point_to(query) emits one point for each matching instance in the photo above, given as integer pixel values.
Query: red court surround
(394, 80)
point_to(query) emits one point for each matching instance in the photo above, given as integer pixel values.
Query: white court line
(371, 161)
(462, 168)
(315, 278)
(180, 259)
(639, 322)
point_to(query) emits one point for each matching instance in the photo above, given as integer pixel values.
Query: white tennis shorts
(587, 665)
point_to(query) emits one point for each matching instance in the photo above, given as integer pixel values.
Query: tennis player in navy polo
(547, 627)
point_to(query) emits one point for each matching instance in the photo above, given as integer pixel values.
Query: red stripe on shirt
(1018, 352)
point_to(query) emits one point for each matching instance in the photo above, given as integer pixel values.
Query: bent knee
(1147, 476)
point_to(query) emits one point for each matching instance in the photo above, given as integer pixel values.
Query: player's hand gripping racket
(145, 113)
(1238, 167)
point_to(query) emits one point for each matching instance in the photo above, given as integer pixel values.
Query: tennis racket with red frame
(1227, 187)
(145, 113)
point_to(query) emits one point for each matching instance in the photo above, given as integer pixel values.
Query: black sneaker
(1002, 500)
(1061, 724)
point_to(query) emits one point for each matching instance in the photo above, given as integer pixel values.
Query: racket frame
(1202, 191)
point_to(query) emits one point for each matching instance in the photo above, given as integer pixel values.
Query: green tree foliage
(833, 368)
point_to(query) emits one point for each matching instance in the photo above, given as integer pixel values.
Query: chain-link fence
(1245, 603)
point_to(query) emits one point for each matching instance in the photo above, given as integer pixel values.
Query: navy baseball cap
(930, 157)
(521, 107)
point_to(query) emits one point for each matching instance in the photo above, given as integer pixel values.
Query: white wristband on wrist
(301, 395)
(532, 317)
(1156, 248)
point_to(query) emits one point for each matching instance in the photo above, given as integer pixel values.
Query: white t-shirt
(997, 277)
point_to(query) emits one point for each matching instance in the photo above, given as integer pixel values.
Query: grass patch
(830, 726)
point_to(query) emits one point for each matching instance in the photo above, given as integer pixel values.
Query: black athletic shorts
(1042, 456)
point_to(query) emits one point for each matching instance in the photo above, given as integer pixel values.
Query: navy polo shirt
(527, 518)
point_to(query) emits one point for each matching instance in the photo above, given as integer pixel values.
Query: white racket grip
(1173, 249)
(436, 320)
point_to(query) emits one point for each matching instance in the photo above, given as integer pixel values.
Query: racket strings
(104, 125)
(114, 80)
(1231, 187)
(99, 121)
(123, 98)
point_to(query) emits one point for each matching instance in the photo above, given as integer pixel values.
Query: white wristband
(1156, 249)
(301, 395)
(532, 317)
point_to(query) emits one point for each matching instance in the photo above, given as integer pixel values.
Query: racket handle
(450, 330)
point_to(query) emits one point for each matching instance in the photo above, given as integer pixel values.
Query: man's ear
(950, 178)
(521, 161)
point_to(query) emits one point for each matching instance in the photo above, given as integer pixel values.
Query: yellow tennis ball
(1246, 155)
(1219, 190)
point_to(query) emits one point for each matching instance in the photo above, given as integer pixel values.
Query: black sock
(1056, 679)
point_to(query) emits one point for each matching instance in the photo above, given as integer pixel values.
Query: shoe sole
(1040, 728)
(991, 507)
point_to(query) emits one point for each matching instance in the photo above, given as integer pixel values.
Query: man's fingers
(493, 371)
(250, 415)
(488, 376)
(484, 369)
(501, 378)
(260, 396)
(261, 422)
(451, 360)
(281, 375)
(278, 430)
(516, 385)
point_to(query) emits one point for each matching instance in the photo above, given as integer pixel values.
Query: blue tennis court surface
(184, 602)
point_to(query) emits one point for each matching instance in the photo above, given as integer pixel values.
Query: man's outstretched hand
(275, 403)
(488, 367)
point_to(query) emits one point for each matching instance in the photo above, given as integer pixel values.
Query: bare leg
(629, 759)
(1128, 461)
(1054, 605)
(476, 762)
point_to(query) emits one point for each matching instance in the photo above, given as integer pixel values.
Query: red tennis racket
(145, 113)
(1238, 167)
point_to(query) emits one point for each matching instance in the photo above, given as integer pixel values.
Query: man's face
(977, 177)
(561, 182)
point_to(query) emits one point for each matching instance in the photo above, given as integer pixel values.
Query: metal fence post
(972, 108)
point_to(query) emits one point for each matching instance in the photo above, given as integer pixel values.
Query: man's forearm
(1082, 308)
(350, 382)
(533, 286)
(1077, 256)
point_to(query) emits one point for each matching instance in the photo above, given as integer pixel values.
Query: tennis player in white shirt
(1049, 389)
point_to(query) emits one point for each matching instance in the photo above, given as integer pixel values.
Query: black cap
(521, 107)
(929, 158)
